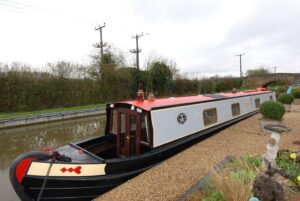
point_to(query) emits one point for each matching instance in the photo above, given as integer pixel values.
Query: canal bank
(49, 117)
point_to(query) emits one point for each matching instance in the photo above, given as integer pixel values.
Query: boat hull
(117, 171)
(74, 188)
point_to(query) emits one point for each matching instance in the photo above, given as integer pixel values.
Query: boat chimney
(234, 90)
(150, 97)
(140, 93)
(261, 89)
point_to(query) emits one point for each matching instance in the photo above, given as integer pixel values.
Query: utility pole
(275, 67)
(241, 71)
(100, 45)
(137, 50)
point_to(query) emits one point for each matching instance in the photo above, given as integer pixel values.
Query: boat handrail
(87, 152)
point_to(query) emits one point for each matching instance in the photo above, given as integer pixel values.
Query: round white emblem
(181, 118)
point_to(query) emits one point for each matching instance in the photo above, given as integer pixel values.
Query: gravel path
(170, 179)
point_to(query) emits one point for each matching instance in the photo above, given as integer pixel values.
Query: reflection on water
(15, 141)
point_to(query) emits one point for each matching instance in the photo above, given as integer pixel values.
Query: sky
(203, 37)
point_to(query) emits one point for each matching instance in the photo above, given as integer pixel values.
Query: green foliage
(278, 83)
(243, 175)
(286, 98)
(215, 196)
(254, 162)
(161, 75)
(296, 91)
(257, 72)
(23, 89)
(183, 86)
(278, 86)
(67, 84)
(288, 165)
(279, 89)
(272, 110)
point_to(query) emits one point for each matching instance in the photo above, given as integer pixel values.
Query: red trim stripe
(22, 168)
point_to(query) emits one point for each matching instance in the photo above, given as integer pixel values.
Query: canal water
(15, 141)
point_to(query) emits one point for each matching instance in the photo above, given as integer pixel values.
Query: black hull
(76, 188)
(117, 171)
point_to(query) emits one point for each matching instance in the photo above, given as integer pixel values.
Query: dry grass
(234, 181)
(233, 189)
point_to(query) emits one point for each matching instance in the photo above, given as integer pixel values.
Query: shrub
(286, 98)
(296, 92)
(215, 196)
(286, 164)
(272, 110)
(254, 162)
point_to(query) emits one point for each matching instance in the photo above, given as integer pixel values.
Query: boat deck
(77, 155)
(170, 179)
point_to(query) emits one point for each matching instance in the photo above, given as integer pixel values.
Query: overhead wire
(31, 9)
(17, 6)
(22, 8)
(8, 9)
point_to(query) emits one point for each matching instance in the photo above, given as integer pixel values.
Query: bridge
(266, 79)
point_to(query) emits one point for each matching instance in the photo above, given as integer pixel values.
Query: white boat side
(166, 128)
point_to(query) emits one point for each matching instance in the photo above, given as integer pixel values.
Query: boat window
(132, 134)
(271, 97)
(210, 116)
(144, 129)
(114, 121)
(122, 130)
(235, 109)
(257, 103)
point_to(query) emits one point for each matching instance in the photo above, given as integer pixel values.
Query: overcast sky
(201, 36)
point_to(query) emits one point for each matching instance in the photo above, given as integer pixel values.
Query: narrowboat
(138, 135)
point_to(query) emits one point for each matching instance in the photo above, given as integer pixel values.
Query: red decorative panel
(77, 170)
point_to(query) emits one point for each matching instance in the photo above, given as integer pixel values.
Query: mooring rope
(46, 178)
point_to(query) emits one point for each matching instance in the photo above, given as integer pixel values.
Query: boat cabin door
(128, 135)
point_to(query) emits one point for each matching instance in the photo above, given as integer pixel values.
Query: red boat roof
(172, 101)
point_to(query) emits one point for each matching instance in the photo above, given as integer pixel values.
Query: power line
(27, 7)
(6, 5)
(100, 45)
(9, 9)
(19, 6)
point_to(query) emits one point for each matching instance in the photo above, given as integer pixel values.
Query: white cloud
(201, 36)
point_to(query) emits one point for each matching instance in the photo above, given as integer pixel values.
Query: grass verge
(52, 110)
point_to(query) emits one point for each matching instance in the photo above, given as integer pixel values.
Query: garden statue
(272, 146)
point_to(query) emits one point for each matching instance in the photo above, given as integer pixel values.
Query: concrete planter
(287, 107)
(264, 122)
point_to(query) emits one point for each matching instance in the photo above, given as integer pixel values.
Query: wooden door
(128, 139)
